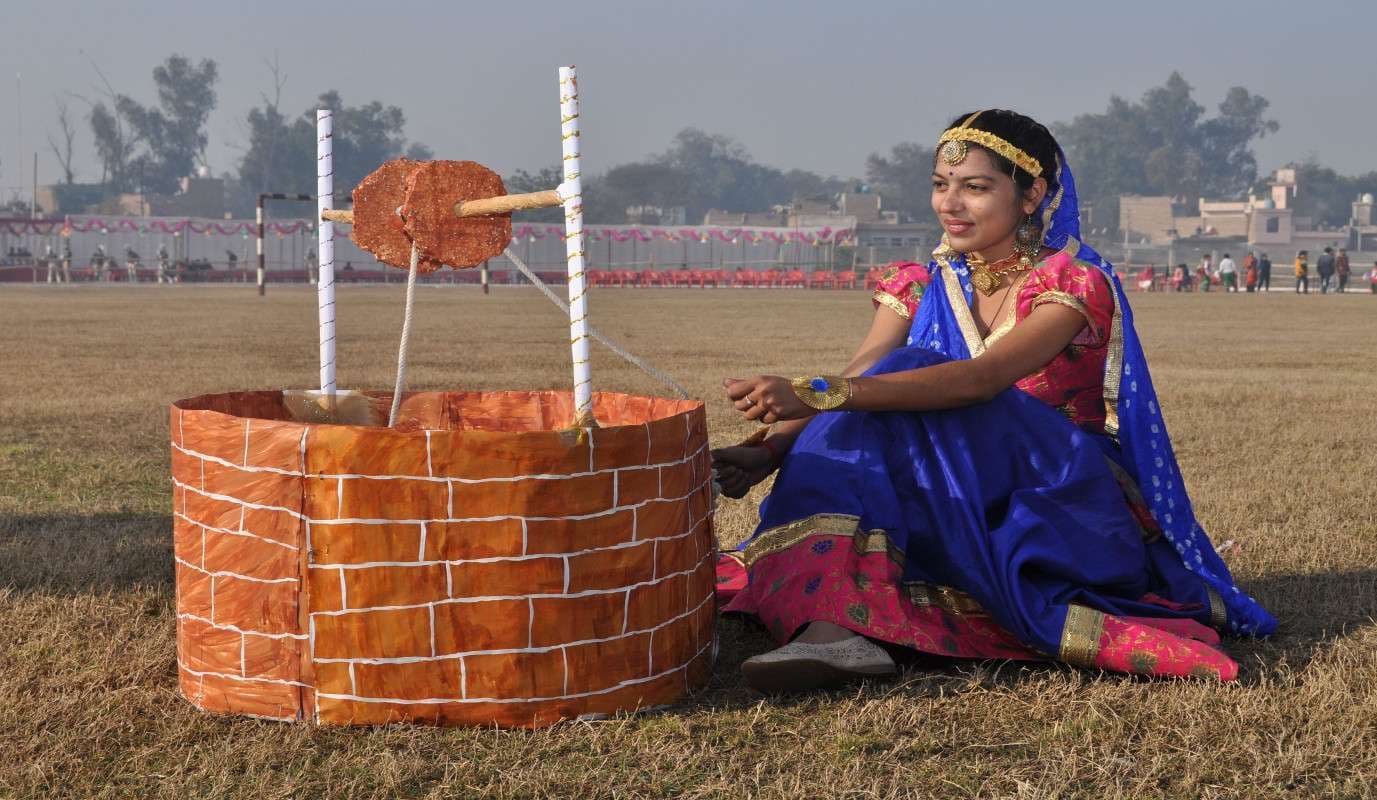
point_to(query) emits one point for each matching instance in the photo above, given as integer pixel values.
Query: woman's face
(977, 205)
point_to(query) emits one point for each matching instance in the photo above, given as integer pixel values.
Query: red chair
(820, 279)
(597, 277)
(696, 276)
(769, 278)
(647, 278)
(846, 280)
(794, 279)
(626, 277)
(745, 277)
(722, 278)
(681, 277)
(872, 278)
(707, 277)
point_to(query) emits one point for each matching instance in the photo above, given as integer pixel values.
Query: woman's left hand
(766, 398)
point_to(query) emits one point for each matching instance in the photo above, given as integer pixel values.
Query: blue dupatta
(1133, 413)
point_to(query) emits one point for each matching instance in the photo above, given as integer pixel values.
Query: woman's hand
(766, 398)
(737, 469)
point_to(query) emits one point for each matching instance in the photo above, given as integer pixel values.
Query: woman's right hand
(737, 469)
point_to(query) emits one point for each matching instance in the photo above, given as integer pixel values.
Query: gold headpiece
(953, 146)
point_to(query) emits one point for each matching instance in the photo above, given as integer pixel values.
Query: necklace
(986, 276)
(989, 328)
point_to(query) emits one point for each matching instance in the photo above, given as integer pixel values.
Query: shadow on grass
(76, 554)
(72, 554)
(1314, 609)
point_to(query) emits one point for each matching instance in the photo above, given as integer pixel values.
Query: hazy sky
(812, 85)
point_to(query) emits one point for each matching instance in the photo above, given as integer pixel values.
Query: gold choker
(986, 276)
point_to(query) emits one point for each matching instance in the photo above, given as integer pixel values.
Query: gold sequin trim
(1052, 207)
(961, 308)
(790, 534)
(892, 303)
(876, 541)
(1219, 613)
(1113, 367)
(1070, 301)
(1080, 636)
(952, 601)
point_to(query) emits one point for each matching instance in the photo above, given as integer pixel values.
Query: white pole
(406, 337)
(325, 289)
(571, 190)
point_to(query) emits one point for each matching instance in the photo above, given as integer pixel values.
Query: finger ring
(749, 402)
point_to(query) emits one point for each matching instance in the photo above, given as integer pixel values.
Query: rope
(603, 340)
(406, 336)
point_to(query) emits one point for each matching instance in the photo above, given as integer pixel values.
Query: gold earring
(1028, 242)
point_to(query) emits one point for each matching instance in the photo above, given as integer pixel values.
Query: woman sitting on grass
(990, 476)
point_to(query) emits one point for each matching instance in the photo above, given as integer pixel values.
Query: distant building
(863, 212)
(746, 219)
(198, 197)
(1256, 221)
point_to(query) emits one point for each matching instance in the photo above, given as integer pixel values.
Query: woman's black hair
(1025, 133)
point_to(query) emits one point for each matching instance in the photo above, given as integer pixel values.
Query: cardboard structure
(473, 564)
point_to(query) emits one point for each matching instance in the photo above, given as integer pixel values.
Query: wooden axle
(489, 206)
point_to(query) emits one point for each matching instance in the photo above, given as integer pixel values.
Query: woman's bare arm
(1031, 343)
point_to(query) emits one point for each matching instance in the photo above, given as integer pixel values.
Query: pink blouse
(1073, 381)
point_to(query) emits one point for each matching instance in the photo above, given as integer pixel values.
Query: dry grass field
(1270, 401)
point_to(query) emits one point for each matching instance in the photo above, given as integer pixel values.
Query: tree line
(1164, 143)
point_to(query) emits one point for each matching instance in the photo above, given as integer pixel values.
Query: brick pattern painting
(472, 565)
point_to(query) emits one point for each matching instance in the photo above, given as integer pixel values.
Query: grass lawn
(1270, 400)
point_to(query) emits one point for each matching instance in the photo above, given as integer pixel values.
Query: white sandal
(803, 666)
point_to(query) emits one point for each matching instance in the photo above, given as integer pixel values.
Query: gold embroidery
(1070, 301)
(892, 303)
(1219, 614)
(866, 542)
(1056, 200)
(952, 601)
(790, 534)
(961, 309)
(1113, 367)
(918, 594)
(1080, 636)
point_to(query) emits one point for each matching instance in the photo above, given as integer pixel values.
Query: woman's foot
(819, 658)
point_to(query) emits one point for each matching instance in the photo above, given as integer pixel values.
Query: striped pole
(262, 271)
(325, 232)
(571, 192)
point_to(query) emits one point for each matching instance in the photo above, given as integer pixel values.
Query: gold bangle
(823, 392)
